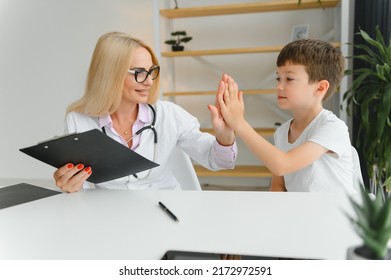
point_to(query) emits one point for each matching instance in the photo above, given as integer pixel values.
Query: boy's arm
(278, 184)
(278, 162)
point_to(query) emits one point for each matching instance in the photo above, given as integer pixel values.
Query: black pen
(168, 211)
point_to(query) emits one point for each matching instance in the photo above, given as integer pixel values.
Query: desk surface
(100, 224)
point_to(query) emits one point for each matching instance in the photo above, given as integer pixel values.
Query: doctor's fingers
(75, 187)
(227, 94)
(66, 172)
(221, 88)
(62, 170)
(75, 183)
(222, 104)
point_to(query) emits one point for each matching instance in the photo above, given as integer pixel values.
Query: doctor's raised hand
(224, 134)
(121, 99)
(230, 102)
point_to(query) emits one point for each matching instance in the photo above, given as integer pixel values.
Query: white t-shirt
(331, 172)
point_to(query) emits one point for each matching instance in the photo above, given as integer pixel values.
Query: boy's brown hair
(322, 61)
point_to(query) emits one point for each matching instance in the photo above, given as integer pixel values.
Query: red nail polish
(80, 166)
(70, 165)
(88, 169)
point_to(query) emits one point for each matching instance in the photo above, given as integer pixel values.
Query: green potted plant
(370, 95)
(180, 37)
(373, 224)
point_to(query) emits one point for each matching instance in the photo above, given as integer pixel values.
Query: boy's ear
(323, 86)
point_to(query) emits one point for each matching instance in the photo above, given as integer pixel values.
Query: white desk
(130, 225)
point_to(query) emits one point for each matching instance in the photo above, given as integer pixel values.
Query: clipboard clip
(58, 137)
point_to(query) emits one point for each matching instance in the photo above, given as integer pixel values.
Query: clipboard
(23, 193)
(191, 255)
(107, 158)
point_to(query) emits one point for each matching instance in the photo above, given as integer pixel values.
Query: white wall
(45, 49)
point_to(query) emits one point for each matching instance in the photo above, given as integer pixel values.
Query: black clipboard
(23, 193)
(190, 255)
(108, 159)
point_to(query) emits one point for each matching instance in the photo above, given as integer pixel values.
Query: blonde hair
(110, 62)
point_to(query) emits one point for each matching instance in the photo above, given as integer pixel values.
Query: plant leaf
(370, 97)
(378, 43)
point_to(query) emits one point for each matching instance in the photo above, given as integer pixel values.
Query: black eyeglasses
(140, 75)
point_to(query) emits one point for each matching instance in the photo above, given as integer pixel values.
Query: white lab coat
(175, 127)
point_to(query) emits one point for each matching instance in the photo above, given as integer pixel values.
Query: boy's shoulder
(325, 119)
(326, 116)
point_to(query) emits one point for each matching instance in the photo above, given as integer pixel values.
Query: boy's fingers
(233, 90)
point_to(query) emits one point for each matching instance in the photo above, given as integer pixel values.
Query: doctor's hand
(230, 102)
(70, 178)
(224, 134)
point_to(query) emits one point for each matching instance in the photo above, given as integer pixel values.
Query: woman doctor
(121, 100)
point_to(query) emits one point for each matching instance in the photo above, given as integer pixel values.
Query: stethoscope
(152, 127)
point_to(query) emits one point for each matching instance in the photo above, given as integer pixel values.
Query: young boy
(312, 151)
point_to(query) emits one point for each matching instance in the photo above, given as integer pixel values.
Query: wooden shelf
(264, 49)
(270, 6)
(261, 131)
(239, 171)
(245, 91)
(212, 187)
